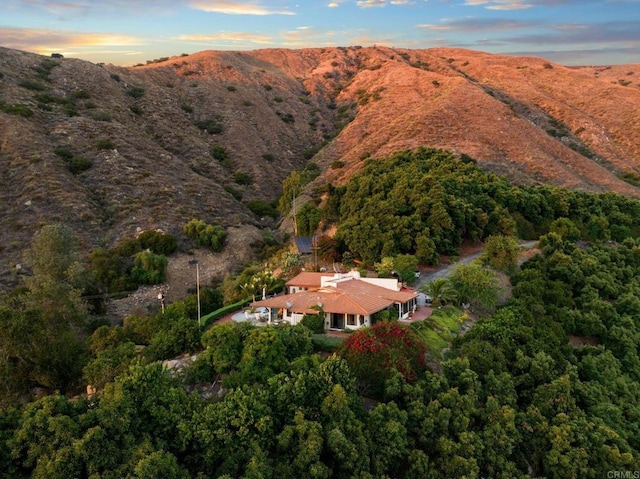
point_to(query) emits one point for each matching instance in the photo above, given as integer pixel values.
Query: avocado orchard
(427, 202)
(546, 385)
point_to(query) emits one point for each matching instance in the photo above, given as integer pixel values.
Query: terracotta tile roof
(364, 292)
(308, 279)
(351, 297)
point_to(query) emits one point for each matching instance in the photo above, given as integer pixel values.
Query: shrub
(374, 353)
(337, 164)
(115, 77)
(221, 154)
(158, 242)
(32, 85)
(315, 322)
(78, 164)
(231, 88)
(44, 69)
(63, 152)
(70, 109)
(20, 110)
(213, 126)
(47, 98)
(136, 92)
(136, 110)
(186, 107)
(311, 151)
(127, 247)
(105, 144)
(108, 269)
(81, 94)
(630, 177)
(75, 164)
(210, 236)
(278, 99)
(233, 192)
(286, 117)
(242, 178)
(101, 116)
(148, 268)
(267, 87)
(260, 207)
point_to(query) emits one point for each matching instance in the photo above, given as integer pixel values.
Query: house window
(351, 320)
(337, 320)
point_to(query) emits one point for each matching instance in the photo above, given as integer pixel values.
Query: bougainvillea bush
(374, 353)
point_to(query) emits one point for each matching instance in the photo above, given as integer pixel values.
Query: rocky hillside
(112, 150)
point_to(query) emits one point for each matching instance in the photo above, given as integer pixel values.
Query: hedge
(218, 313)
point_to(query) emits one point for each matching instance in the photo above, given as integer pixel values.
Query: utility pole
(314, 246)
(295, 221)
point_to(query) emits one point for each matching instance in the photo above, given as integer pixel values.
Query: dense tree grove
(49, 339)
(426, 202)
(514, 399)
(546, 384)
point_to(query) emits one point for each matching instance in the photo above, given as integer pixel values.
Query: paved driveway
(445, 270)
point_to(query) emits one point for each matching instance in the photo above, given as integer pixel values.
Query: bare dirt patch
(579, 341)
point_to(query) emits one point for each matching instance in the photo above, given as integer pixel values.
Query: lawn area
(438, 328)
(324, 343)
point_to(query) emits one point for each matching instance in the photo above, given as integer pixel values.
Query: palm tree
(440, 290)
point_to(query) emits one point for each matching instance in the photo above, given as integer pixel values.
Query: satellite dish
(288, 305)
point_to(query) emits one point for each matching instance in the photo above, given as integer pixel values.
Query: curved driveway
(445, 270)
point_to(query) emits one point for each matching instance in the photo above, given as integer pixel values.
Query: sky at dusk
(128, 32)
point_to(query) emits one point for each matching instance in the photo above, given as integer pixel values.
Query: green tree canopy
(209, 236)
(502, 253)
(476, 286)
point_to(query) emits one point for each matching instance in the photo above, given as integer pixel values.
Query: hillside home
(347, 300)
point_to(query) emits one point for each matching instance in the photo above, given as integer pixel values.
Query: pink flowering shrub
(373, 353)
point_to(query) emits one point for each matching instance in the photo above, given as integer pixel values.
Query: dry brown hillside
(525, 117)
(201, 135)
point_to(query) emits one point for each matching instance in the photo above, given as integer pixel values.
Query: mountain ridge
(201, 135)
